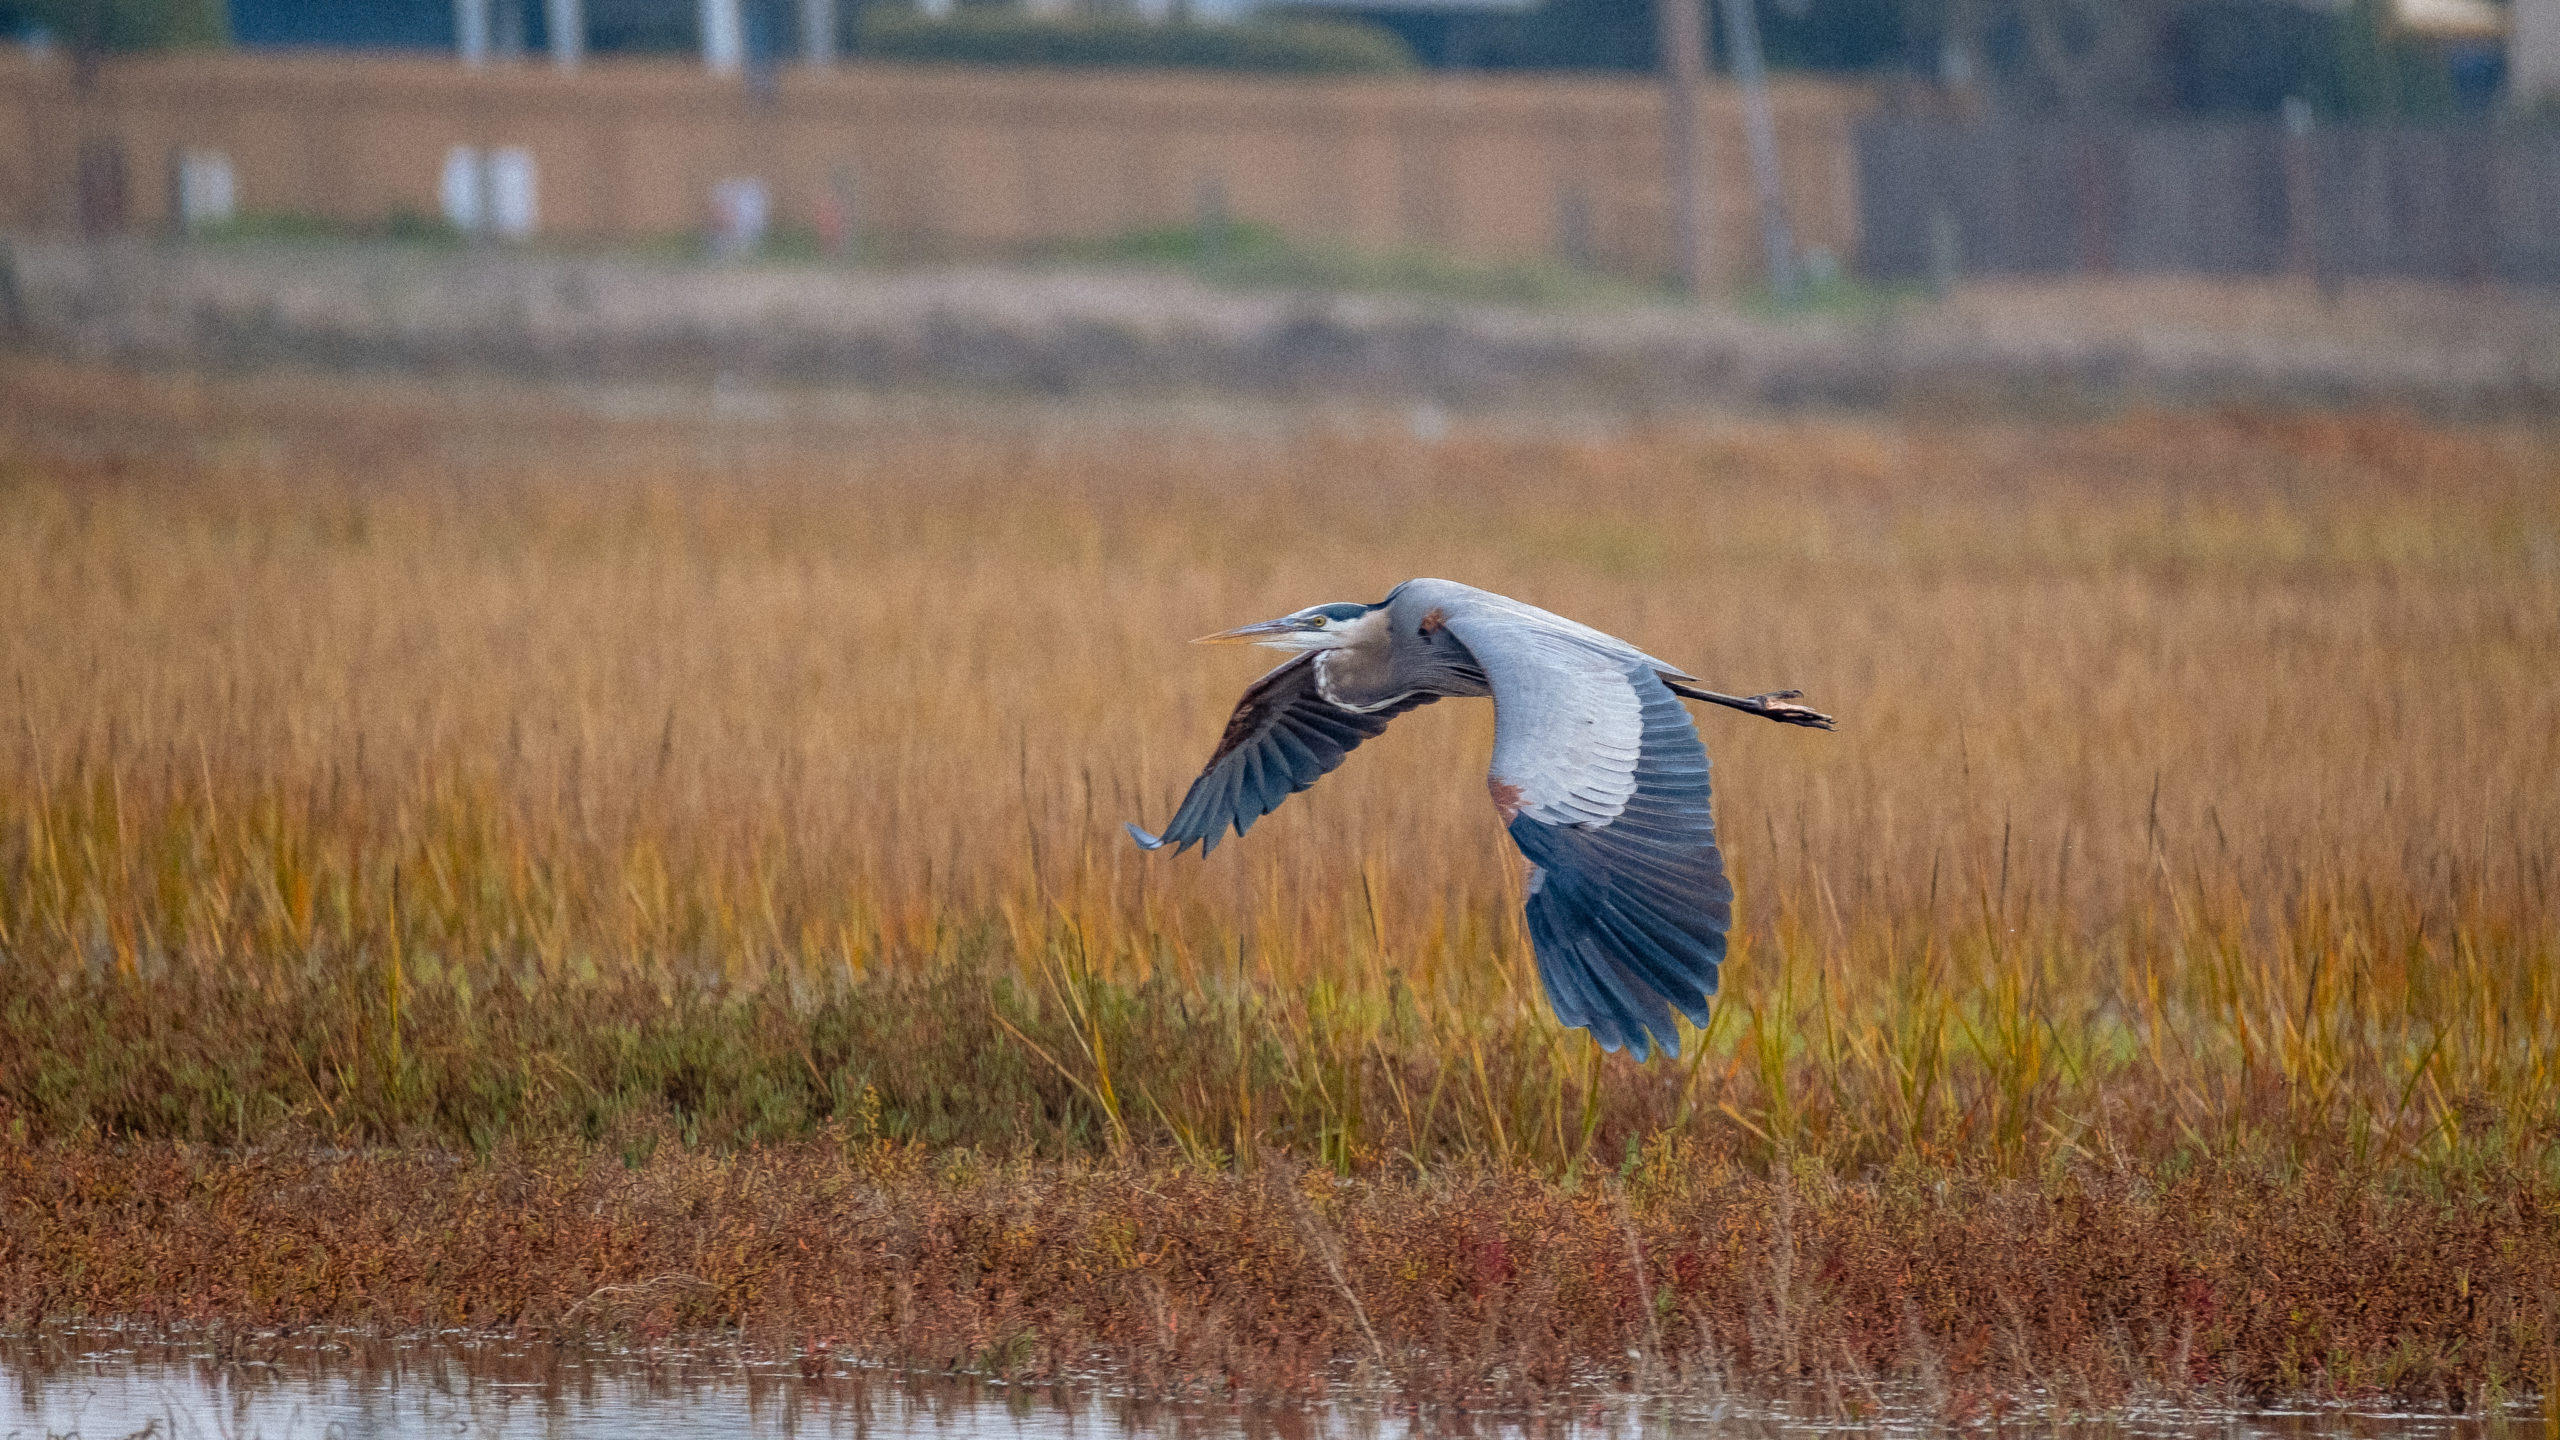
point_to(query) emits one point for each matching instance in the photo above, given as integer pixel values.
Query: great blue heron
(1596, 770)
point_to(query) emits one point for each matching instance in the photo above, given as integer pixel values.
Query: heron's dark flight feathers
(1628, 917)
(1283, 737)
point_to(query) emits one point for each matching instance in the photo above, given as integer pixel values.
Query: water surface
(104, 1383)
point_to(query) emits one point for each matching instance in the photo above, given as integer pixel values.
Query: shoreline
(1060, 331)
(567, 1376)
(1477, 1288)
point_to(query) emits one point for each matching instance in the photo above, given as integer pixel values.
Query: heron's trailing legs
(1776, 705)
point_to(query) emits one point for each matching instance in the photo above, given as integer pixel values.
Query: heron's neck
(1359, 672)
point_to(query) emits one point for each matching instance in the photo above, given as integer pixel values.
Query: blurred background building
(2362, 58)
(1908, 139)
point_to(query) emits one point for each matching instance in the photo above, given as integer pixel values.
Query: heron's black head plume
(1318, 627)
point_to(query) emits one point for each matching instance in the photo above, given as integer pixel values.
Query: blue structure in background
(347, 24)
(634, 27)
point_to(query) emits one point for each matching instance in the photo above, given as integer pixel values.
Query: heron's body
(1597, 772)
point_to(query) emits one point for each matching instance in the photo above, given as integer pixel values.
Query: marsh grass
(496, 772)
(1478, 1286)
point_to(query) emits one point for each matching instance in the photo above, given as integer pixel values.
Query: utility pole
(471, 31)
(818, 33)
(507, 37)
(1760, 129)
(724, 36)
(567, 21)
(88, 44)
(1681, 36)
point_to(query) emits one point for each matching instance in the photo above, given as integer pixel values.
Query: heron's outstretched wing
(1601, 779)
(1283, 737)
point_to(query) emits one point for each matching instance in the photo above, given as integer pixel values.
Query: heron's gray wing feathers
(1283, 737)
(1492, 609)
(1629, 917)
(1602, 780)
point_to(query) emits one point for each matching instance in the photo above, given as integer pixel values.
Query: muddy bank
(1067, 332)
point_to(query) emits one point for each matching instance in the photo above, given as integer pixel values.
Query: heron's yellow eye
(1317, 623)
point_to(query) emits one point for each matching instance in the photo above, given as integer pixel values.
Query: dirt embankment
(1053, 331)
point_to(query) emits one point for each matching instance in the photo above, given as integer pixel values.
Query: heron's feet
(1779, 705)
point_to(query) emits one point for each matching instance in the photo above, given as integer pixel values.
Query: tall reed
(454, 767)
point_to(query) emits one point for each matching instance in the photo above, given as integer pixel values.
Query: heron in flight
(1596, 769)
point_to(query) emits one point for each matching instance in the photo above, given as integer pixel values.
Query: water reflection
(106, 1383)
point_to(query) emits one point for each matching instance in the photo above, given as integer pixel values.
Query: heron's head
(1318, 627)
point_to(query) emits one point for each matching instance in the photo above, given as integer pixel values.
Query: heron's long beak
(1253, 634)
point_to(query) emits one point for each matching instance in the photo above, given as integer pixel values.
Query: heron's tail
(1145, 840)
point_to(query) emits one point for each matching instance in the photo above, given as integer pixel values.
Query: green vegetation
(1829, 291)
(284, 227)
(122, 24)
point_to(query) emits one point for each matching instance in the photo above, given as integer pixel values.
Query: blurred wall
(933, 160)
(2533, 54)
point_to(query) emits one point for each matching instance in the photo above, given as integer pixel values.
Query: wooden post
(2301, 233)
(1681, 35)
(102, 191)
(2092, 207)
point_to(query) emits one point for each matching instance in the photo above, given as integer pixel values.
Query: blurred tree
(1619, 35)
(2091, 56)
(2201, 57)
(374, 25)
(1836, 34)
(120, 24)
(2243, 57)
(2377, 73)
(643, 26)
(2078, 56)
(2206, 57)
(1568, 35)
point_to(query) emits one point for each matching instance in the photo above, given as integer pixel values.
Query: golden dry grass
(2167, 933)
(2195, 786)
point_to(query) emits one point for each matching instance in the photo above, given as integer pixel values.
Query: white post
(724, 36)
(2533, 53)
(818, 32)
(513, 192)
(207, 193)
(471, 31)
(567, 20)
(466, 203)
